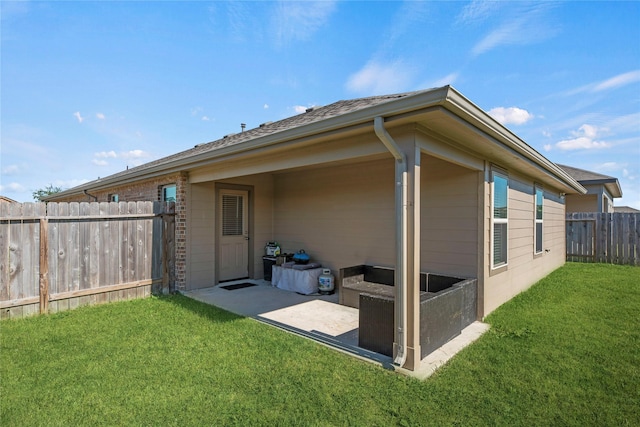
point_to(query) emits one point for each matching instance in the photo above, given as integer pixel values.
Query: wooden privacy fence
(612, 238)
(58, 256)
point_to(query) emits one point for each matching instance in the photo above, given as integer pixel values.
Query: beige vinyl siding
(201, 250)
(202, 222)
(582, 203)
(449, 220)
(524, 266)
(340, 215)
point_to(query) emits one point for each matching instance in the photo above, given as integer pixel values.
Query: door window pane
(232, 209)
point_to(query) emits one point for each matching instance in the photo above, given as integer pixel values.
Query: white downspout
(400, 334)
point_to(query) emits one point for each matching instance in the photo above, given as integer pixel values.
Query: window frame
(499, 221)
(114, 197)
(538, 190)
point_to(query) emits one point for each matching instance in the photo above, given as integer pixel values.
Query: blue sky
(89, 88)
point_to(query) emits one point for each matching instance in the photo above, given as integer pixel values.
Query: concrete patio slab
(322, 319)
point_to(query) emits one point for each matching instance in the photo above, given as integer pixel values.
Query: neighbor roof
(625, 209)
(586, 177)
(332, 117)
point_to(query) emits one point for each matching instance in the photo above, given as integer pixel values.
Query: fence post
(44, 265)
(165, 254)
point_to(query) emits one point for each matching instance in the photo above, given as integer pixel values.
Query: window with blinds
(232, 215)
(499, 218)
(538, 222)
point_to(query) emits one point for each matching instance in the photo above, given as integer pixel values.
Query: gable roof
(339, 116)
(312, 115)
(586, 177)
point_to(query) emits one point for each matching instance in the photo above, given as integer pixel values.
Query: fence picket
(613, 237)
(59, 256)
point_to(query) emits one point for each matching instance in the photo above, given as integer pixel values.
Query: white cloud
(610, 83)
(511, 115)
(378, 78)
(78, 116)
(300, 20)
(10, 170)
(609, 167)
(617, 81)
(449, 79)
(134, 156)
(477, 10)
(265, 106)
(106, 154)
(100, 116)
(584, 139)
(12, 187)
(205, 119)
(100, 158)
(527, 25)
(299, 109)
(548, 147)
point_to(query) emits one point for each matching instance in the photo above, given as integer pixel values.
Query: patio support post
(412, 241)
(406, 345)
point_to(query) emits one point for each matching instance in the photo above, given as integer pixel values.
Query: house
(601, 190)
(625, 209)
(7, 200)
(422, 181)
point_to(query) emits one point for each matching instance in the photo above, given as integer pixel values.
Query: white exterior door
(234, 235)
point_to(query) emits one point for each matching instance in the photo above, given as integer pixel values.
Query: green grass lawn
(567, 352)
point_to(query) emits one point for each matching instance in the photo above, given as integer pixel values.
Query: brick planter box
(447, 305)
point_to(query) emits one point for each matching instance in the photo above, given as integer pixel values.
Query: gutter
(400, 332)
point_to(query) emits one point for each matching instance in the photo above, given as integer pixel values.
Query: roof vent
(199, 145)
(310, 109)
(228, 135)
(265, 124)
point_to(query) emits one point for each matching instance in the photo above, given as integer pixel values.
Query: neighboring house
(4, 200)
(419, 181)
(601, 190)
(625, 209)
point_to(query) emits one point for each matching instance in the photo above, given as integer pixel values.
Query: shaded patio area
(320, 318)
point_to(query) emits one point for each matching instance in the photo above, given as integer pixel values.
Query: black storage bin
(268, 262)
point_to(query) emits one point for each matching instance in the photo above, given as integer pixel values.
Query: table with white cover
(302, 281)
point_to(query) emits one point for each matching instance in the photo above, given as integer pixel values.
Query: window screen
(232, 215)
(500, 220)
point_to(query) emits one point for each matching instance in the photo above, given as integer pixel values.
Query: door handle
(246, 238)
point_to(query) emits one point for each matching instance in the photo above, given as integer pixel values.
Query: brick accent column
(181, 231)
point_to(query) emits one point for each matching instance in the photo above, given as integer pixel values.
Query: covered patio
(322, 319)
